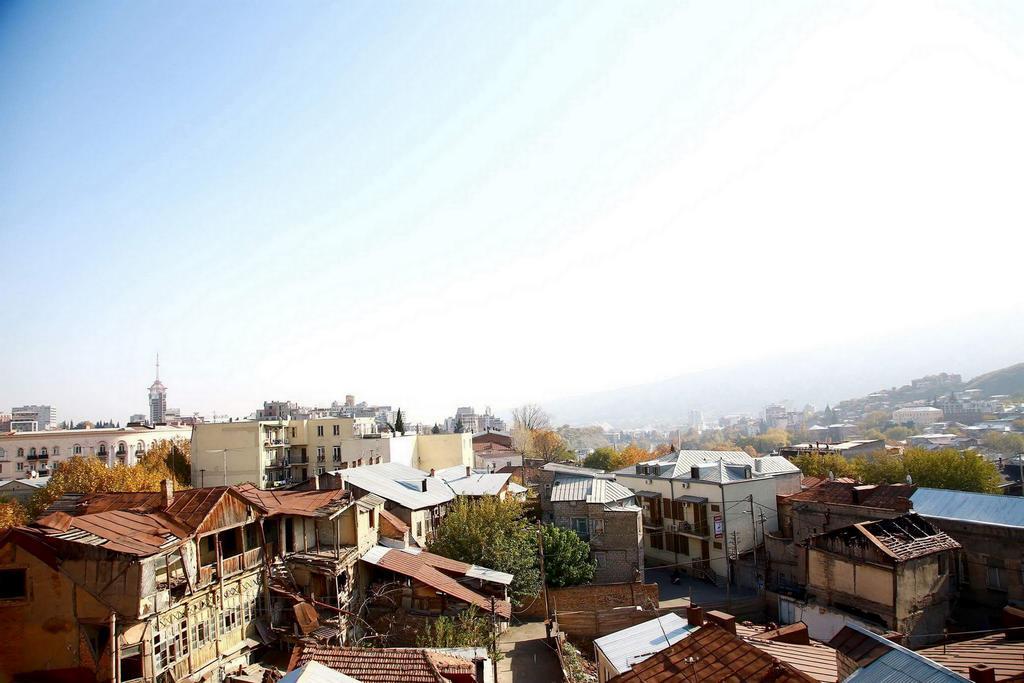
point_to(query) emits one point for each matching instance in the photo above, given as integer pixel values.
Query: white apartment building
(473, 422)
(33, 418)
(702, 507)
(919, 415)
(42, 451)
(271, 453)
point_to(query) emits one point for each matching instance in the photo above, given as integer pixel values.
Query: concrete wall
(242, 454)
(438, 451)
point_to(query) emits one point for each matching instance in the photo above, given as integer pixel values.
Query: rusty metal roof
(713, 655)
(299, 503)
(901, 538)
(995, 650)
(431, 569)
(885, 496)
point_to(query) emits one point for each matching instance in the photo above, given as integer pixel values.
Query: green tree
(947, 468)
(817, 464)
(601, 459)
(435, 429)
(566, 558)
(469, 628)
(399, 423)
(492, 533)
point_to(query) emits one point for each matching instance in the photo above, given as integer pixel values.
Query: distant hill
(1005, 381)
(818, 376)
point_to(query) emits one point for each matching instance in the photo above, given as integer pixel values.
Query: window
(203, 629)
(293, 432)
(319, 453)
(32, 452)
(419, 529)
(598, 525)
(373, 518)
(103, 449)
(994, 575)
(21, 452)
(320, 470)
(3, 454)
(13, 584)
(21, 466)
(76, 449)
(170, 645)
(319, 430)
(249, 609)
(131, 663)
(580, 525)
(43, 452)
(336, 454)
(229, 619)
(56, 451)
(336, 430)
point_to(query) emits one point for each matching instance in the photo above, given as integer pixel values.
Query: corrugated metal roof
(883, 661)
(983, 508)
(633, 645)
(588, 489)
(479, 484)
(315, 672)
(678, 465)
(400, 484)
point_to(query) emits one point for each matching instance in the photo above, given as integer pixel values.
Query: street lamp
(224, 461)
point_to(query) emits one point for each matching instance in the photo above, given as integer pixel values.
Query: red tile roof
(713, 655)
(885, 496)
(390, 665)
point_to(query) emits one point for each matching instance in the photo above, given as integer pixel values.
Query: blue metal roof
(982, 508)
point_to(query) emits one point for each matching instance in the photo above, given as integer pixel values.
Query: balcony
(690, 529)
(275, 443)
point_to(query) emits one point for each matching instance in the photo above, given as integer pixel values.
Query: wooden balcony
(253, 558)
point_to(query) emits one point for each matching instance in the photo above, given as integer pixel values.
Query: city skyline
(303, 204)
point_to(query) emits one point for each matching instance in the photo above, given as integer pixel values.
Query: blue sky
(434, 204)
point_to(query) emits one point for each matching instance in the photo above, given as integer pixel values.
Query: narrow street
(527, 655)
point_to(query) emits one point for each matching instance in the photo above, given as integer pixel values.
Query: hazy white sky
(440, 205)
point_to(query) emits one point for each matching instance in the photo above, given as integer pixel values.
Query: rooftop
(717, 466)
(588, 489)
(983, 508)
(439, 573)
(630, 646)
(885, 496)
(883, 661)
(901, 538)
(400, 484)
(385, 665)
(815, 659)
(1006, 656)
(712, 655)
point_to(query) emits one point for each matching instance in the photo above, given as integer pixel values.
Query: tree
(547, 446)
(566, 557)
(399, 424)
(493, 533)
(469, 628)
(459, 427)
(12, 514)
(817, 464)
(435, 429)
(530, 417)
(174, 455)
(630, 455)
(947, 468)
(601, 459)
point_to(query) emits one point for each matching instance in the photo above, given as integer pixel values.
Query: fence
(593, 597)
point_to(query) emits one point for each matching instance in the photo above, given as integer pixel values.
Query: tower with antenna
(157, 398)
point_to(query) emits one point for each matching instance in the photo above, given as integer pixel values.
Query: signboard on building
(718, 526)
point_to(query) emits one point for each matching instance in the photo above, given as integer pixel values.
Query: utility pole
(767, 557)
(753, 531)
(494, 640)
(543, 576)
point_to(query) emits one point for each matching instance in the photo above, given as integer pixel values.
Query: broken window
(13, 584)
(131, 663)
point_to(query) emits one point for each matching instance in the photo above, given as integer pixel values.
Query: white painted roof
(315, 672)
(591, 490)
(626, 648)
(35, 482)
(478, 572)
(679, 464)
(399, 483)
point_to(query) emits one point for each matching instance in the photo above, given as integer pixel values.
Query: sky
(442, 204)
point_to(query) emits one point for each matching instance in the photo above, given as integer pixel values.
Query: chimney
(166, 493)
(1013, 623)
(982, 673)
(694, 615)
(423, 486)
(469, 470)
(726, 621)
(316, 483)
(431, 474)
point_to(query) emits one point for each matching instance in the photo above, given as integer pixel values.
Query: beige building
(270, 453)
(25, 452)
(701, 508)
(892, 574)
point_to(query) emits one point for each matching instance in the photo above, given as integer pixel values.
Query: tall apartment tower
(157, 398)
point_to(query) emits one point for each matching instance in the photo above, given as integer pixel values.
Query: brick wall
(593, 597)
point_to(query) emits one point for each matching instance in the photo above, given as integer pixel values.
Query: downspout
(114, 674)
(672, 509)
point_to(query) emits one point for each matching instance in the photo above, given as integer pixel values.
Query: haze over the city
(430, 205)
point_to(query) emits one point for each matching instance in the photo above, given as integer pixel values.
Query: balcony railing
(253, 557)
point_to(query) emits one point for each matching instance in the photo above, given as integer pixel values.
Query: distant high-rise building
(33, 418)
(157, 398)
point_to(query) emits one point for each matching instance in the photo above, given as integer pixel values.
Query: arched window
(56, 451)
(140, 447)
(32, 452)
(122, 448)
(76, 449)
(21, 452)
(43, 452)
(102, 449)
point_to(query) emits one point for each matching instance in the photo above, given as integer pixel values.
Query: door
(289, 536)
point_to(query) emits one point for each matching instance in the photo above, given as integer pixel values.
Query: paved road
(677, 595)
(528, 658)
